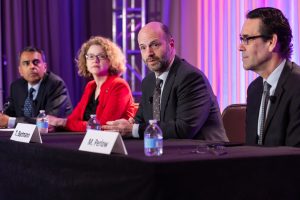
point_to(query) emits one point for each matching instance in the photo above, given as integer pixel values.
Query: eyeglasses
(245, 40)
(93, 57)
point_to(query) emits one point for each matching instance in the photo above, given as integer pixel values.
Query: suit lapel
(24, 92)
(279, 91)
(149, 97)
(254, 95)
(257, 101)
(168, 85)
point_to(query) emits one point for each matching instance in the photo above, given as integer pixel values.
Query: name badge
(26, 133)
(104, 142)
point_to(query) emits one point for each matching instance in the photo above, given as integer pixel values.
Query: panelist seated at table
(36, 90)
(108, 95)
(273, 99)
(175, 93)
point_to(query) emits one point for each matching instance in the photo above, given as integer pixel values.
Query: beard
(156, 64)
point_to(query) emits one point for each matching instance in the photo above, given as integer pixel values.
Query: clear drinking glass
(215, 149)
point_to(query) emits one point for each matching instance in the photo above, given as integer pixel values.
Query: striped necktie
(264, 106)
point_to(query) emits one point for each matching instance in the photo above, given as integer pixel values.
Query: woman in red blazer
(108, 96)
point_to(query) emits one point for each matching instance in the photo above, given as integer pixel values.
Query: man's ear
(172, 43)
(45, 66)
(274, 45)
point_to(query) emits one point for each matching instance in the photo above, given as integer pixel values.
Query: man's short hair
(274, 22)
(33, 49)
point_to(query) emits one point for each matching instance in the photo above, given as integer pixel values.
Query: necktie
(264, 106)
(28, 103)
(156, 99)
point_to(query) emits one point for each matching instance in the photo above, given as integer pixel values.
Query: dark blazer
(52, 97)
(189, 108)
(283, 119)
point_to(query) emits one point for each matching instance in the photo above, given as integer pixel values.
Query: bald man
(187, 106)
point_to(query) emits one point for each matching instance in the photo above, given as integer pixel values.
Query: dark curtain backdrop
(59, 27)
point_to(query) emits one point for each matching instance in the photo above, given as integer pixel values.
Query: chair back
(234, 120)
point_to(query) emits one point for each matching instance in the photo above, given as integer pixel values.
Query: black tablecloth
(56, 169)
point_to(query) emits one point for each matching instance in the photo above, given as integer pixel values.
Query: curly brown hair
(112, 50)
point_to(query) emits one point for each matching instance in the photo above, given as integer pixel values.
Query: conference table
(188, 169)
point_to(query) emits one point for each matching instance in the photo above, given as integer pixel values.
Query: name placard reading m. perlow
(104, 142)
(26, 133)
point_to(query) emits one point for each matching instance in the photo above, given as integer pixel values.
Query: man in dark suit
(273, 100)
(187, 108)
(36, 90)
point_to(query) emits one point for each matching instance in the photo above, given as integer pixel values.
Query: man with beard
(36, 90)
(175, 93)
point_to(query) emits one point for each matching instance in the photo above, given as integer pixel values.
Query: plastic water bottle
(153, 139)
(42, 122)
(93, 123)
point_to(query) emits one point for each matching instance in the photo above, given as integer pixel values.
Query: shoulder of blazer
(256, 83)
(182, 67)
(290, 68)
(115, 80)
(289, 78)
(51, 78)
(18, 87)
(90, 86)
(149, 80)
(18, 82)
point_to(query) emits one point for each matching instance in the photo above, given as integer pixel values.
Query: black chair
(234, 120)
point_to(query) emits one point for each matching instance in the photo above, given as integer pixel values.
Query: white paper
(26, 133)
(119, 146)
(103, 142)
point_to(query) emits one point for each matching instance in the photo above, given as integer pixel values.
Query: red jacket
(115, 102)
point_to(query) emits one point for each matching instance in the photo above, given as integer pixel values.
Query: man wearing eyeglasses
(273, 99)
(36, 90)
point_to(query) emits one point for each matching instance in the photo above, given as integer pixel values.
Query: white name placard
(26, 133)
(104, 142)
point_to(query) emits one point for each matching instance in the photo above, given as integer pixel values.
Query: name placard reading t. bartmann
(26, 133)
(103, 142)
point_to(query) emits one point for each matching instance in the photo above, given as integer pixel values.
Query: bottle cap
(152, 121)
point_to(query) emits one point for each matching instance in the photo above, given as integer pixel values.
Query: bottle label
(41, 124)
(93, 127)
(151, 142)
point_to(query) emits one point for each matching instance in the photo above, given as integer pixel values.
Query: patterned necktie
(156, 99)
(28, 103)
(264, 106)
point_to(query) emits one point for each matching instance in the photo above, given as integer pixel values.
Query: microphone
(273, 99)
(150, 100)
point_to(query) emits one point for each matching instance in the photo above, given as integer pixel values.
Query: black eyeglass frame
(245, 40)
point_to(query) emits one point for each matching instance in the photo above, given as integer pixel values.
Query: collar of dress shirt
(274, 77)
(36, 87)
